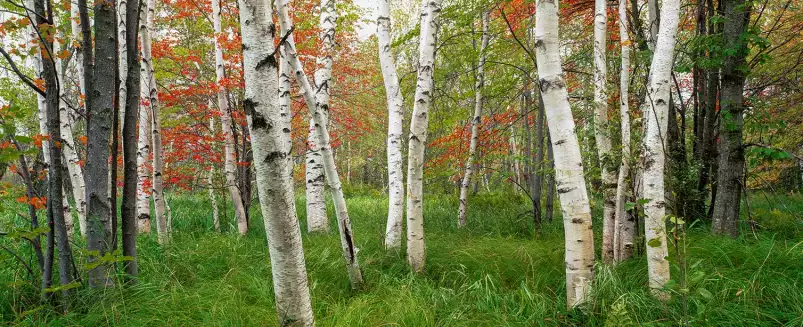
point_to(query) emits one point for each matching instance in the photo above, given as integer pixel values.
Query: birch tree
(416, 247)
(229, 163)
(210, 184)
(579, 238)
(395, 121)
(601, 132)
(269, 144)
(475, 124)
(332, 178)
(143, 138)
(152, 101)
(654, 156)
(624, 224)
(316, 205)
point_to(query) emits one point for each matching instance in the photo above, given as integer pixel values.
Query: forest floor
(496, 272)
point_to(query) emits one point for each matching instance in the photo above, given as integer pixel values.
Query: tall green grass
(496, 272)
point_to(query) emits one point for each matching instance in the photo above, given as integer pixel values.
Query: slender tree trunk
(538, 171)
(549, 207)
(658, 98)
(475, 124)
(528, 144)
(343, 221)
(75, 30)
(149, 86)
(624, 223)
(601, 130)
(416, 249)
(574, 201)
(269, 145)
(67, 148)
(315, 180)
(730, 177)
(229, 164)
(144, 139)
(393, 231)
(130, 143)
(55, 187)
(99, 123)
(210, 184)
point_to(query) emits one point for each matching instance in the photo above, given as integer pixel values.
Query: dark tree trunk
(100, 99)
(528, 144)
(539, 160)
(730, 171)
(132, 84)
(58, 227)
(115, 143)
(244, 174)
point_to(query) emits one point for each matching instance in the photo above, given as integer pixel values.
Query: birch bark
(343, 222)
(269, 145)
(571, 187)
(624, 224)
(210, 183)
(229, 163)
(475, 124)
(149, 86)
(654, 153)
(416, 247)
(601, 131)
(395, 101)
(144, 138)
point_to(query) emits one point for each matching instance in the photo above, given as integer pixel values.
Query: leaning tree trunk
(100, 99)
(132, 81)
(332, 178)
(416, 248)
(624, 224)
(730, 177)
(579, 238)
(149, 86)
(395, 100)
(475, 124)
(654, 155)
(601, 132)
(229, 164)
(269, 142)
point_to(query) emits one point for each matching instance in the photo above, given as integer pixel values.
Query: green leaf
(629, 206)
(705, 293)
(654, 243)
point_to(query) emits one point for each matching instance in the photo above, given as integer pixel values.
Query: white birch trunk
(395, 101)
(210, 183)
(75, 30)
(416, 247)
(475, 124)
(314, 181)
(144, 138)
(343, 222)
(149, 86)
(269, 143)
(654, 155)
(316, 205)
(229, 163)
(601, 132)
(122, 60)
(579, 238)
(624, 224)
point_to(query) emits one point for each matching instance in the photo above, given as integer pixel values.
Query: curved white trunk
(416, 247)
(579, 238)
(654, 155)
(475, 123)
(149, 86)
(601, 131)
(332, 178)
(269, 143)
(229, 163)
(395, 100)
(624, 225)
